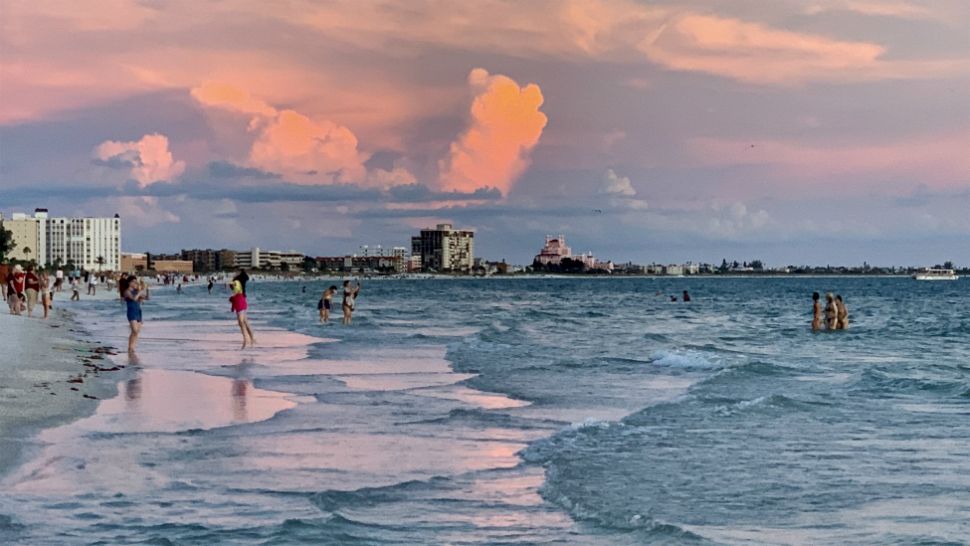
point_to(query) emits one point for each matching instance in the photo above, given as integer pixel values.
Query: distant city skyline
(792, 132)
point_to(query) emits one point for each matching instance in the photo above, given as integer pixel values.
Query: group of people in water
(349, 302)
(134, 291)
(835, 315)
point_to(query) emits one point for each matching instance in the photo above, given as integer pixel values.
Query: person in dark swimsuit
(243, 278)
(325, 304)
(133, 294)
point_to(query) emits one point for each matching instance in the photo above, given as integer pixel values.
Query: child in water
(239, 306)
(325, 303)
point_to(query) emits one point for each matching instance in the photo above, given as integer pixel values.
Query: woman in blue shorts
(133, 293)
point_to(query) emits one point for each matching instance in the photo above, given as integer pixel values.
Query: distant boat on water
(936, 275)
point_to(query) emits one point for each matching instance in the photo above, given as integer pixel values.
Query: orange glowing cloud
(148, 160)
(505, 126)
(305, 150)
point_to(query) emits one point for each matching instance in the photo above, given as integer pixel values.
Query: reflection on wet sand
(170, 401)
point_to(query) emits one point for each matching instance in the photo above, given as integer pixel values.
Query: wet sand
(49, 374)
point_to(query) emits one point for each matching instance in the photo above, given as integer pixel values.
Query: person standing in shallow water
(842, 316)
(816, 312)
(243, 278)
(325, 303)
(350, 301)
(133, 294)
(831, 312)
(239, 306)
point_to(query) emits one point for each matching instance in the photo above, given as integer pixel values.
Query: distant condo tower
(444, 249)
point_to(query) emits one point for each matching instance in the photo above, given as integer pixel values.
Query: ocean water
(521, 411)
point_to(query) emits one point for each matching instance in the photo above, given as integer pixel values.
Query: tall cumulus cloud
(505, 126)
(148, 160)
(303, 149)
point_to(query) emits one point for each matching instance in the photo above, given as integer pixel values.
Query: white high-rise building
(93, 244)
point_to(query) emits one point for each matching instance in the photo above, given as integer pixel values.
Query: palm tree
(100, 262)
(6, 242)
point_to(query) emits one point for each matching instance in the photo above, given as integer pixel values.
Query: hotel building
(445, 249)
(93, 244)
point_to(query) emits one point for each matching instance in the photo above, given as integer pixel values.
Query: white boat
(936, 275)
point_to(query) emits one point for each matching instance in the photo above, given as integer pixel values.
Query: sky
(794, 132)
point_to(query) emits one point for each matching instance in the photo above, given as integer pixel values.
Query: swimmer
(686, 297)
(842, 319)
(816, 313)
(350, 301)
(831, 312)
(325, 304)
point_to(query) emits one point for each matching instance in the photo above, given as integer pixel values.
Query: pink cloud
(505, 126)
(308, 150)
(305, 150)
(148, 160)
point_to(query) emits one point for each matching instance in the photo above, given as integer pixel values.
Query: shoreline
(51, 374)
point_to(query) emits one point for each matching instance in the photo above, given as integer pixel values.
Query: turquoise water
(522, 411)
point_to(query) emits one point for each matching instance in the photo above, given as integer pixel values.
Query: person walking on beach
(75, 290)
(350, 301)
(32, 285)
(325, 304)
(133, 293)
(842, 316)
(92, 285)
(46, 294)
(816, 313)
(239, 306)
(16, 287)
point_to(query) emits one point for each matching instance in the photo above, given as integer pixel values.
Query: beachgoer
(178, 289)
(243, 278)
(210, 285)
(59, 280)
(133, 293)
(842, 319)
(816, 312)
(32, 286)
(239, 306)
(324, 305)
(350, 301)
(75, 290)
(673, 298)
(46, 294)
(16, 289)
(686, 297)
(92, 285)
(13, 298)
(831, 312)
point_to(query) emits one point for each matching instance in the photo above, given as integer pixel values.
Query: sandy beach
(41, 365)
